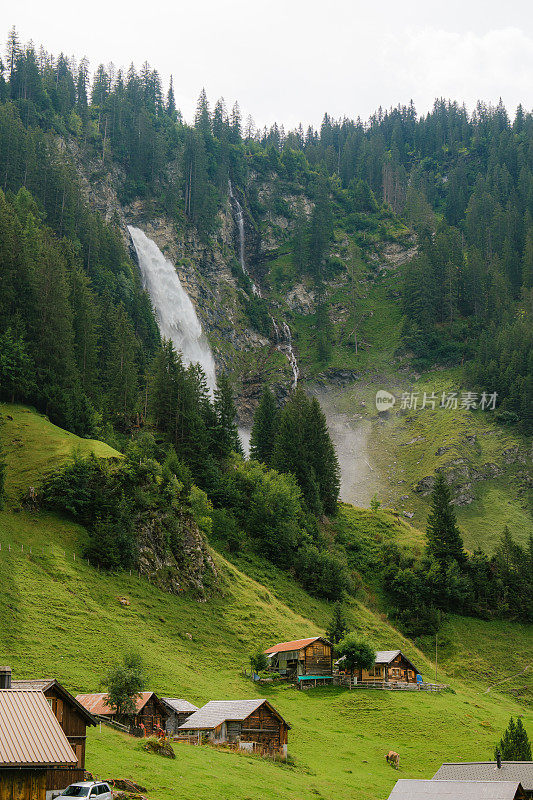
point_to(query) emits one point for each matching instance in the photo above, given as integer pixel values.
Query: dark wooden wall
(22, 784)
(318, 659)
(75, 728)
(265, 728)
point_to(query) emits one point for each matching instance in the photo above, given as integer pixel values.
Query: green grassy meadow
(60, 617)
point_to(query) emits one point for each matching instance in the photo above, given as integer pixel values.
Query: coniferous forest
(80, 342)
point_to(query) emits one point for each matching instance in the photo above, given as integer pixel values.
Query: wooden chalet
(149, 716)
(304, 659)
(390, 666)
(252, 725)
(73, 718)
(179, 711)
(32, 745)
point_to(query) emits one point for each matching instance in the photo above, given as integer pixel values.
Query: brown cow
(393, 759)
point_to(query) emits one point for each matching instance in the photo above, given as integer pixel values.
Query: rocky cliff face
(183, 565)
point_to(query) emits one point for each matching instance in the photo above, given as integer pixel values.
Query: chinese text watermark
(449, 401)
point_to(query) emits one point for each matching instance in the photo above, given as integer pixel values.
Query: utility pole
(436, 656)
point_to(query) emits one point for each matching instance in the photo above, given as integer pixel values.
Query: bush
(322, 573)
(160, 747)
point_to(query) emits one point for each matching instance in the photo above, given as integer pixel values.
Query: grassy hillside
(61, 617)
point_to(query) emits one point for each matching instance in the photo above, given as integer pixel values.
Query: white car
(88, 789)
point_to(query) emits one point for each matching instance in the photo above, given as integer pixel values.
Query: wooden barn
(149, 716)
(252, 725)
(391, 666)
(32, 745)
(305, 659)
(179, 711)
(73, 718)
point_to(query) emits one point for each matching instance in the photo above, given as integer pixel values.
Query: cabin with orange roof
(150, 714)
(304, 659)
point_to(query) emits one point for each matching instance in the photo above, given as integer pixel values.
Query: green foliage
(444, 539)
(322, 573)
(264, 428)
(357, 653)
(161, 747)
(303, 447)
(258, 661)
(268, 507)
(3, 470)
(338, 627)
(226, 434)
(124, 683)
(375, 503)
(514, 744)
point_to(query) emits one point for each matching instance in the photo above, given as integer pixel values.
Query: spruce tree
(322, 457)
(171, 102)
(226, 433)
(338, 627)
(444, 539)
(264, 428)
(514, 744)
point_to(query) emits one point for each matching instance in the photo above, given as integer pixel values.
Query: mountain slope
(198, 650)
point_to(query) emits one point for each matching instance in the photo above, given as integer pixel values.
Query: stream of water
(173, 307)
(283, 337)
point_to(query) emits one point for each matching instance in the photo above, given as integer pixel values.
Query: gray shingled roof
(216, 712)
(179, 705)
(488, 771)
(454, 790)
(385, 657)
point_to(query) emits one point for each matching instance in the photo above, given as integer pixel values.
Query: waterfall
(239, 219)
(283, 341)
(174, 310)
(290, 355)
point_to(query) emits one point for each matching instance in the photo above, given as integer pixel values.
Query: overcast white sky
(292, 60)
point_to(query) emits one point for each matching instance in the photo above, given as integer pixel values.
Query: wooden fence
(398, 686)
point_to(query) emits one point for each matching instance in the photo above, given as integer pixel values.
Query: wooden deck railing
(399, 686)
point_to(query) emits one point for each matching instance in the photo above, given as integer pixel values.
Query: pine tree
(202, 119)
(264, 428)
(322, 457)
(514, 744)
(121, 367)
(226, 431)
(12, 51)
(171, 102)
(444, 539)
(338, 627)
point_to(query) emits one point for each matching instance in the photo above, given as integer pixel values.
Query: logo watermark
(448, 401)
(384, 400)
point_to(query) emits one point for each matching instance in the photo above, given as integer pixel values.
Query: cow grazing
(393, 759)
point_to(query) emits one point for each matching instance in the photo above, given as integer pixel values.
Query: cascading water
(290, 355)
(283, 342)
(239, 219)
(175, 312)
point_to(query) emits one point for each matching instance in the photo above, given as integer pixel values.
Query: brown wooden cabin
(391, 666)
(32, 746)
(252, 725)
(73, 718)
(179, 711)
(302, 658)
(150, 712)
